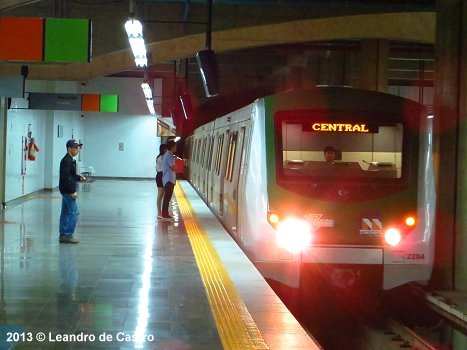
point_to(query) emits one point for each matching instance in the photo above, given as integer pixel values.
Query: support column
(3, 140)
(49, 150)
(450, 270)
(374, 65)
(331, 69)
(460, 262)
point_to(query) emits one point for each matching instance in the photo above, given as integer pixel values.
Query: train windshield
(336, 149)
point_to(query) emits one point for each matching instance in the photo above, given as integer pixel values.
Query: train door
(194, 163)
(205, 166)
(235, 142)
(242, 174)
(213, 168)
(209, 168)
(198, 161)
(218, 183)
(201, 165)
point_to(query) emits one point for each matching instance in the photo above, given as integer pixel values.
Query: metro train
(365, 214)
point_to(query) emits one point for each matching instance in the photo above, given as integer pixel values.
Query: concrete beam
(9, 4)
(418, 26)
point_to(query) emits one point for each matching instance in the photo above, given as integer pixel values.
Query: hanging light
(148, 95)
(134, 30)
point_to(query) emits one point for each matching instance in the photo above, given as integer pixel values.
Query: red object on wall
(179, 166)
(32, 149)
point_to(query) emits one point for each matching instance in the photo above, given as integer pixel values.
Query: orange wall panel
(90, 103)
(21, 39)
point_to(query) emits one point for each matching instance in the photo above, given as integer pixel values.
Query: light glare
(392, 236)
(294, 234)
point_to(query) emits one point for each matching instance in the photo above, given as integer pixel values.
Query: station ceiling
(249, 72)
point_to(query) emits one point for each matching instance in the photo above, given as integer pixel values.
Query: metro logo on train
(341, 127)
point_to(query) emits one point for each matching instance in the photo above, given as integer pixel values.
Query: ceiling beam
(10, 4)
(417, 26)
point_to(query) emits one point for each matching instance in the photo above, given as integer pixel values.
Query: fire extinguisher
(32, 149)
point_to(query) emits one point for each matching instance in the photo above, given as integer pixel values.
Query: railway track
(402, 321)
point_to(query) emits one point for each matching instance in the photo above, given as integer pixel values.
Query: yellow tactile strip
(236, 327)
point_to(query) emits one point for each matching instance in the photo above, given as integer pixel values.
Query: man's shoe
(167, 218)
(159, 217)
(66, 239)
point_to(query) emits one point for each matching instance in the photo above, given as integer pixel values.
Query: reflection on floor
(130, 276)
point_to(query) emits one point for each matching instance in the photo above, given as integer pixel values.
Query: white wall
(132, 125)
(18, 121)
(101, 134)
(44, 172)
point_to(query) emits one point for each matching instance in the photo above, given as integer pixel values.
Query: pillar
(374, 65)
(3, 141)
(450, 270)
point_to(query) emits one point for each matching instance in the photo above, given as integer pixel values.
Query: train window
(344, 150)
(231, 156)
(193, 155)
(198, 150)
(220, 146)
(211, 150)
(203, 153)
(208, 146)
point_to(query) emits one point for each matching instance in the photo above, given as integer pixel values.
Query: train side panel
(413, 259)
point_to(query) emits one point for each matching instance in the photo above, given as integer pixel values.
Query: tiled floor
(129, 274)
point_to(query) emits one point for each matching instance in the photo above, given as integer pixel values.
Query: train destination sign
(344, 127)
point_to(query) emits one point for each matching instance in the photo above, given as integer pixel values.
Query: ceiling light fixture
(134, 30)
(148, 95)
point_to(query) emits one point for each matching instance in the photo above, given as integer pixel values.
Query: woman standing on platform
(160, 186)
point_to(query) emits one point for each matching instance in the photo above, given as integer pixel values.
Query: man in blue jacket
(67, 186)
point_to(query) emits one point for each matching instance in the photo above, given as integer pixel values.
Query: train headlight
(410, 221)
(273, 218)
(392, 236)
(294, 234)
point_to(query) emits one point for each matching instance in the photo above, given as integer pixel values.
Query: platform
(133, 282)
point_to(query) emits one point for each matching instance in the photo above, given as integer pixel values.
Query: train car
(331, 178)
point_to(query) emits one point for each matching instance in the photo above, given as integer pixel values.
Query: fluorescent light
(148, 95)
(177, 138)
(134, 30)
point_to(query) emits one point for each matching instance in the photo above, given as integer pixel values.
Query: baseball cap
(73, 144)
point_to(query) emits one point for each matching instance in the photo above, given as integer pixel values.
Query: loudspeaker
(209, 70)
(25, 71)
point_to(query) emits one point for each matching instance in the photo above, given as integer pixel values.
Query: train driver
(330, 154)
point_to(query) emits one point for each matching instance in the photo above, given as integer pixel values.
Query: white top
(159, 164)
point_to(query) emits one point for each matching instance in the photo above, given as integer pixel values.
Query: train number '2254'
(416, 256)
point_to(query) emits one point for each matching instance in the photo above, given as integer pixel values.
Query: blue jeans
(68, 216)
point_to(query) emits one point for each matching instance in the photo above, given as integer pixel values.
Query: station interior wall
(43, 172)
(132, 127)
(101, 134)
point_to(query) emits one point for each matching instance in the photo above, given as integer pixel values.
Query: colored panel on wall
(90, 103)
(109, 103)
(21, 39)
(67, 40)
